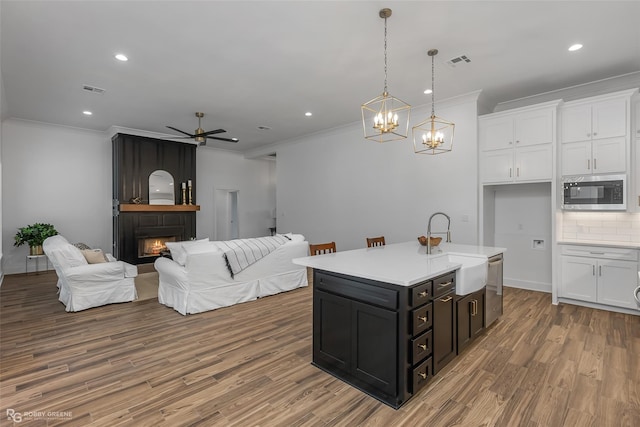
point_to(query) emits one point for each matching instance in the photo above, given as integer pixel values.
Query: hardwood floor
(144, 364)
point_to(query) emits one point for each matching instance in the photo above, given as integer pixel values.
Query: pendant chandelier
(385, 118)
(434, 135)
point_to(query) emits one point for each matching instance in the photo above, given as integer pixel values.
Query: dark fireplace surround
(140, 230)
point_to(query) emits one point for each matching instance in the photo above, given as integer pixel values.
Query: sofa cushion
(94, 256)
(178, 249)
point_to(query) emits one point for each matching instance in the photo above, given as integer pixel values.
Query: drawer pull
(445, 284)
(422, 346)
(423, 293)
(423, 375)
(447, 299)
(424, 319)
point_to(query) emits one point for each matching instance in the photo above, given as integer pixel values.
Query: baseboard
(531, 286)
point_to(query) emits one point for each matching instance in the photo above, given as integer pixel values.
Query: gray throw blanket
(241, 253)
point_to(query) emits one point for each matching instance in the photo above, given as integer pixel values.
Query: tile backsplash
(603, 226)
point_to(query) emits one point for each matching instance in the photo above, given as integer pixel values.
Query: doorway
(226, 224)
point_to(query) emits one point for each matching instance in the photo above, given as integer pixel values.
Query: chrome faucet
(448, 232)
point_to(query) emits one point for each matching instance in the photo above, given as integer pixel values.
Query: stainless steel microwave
(595, 193)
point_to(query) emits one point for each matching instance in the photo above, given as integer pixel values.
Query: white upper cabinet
(597, 120)
(589, 157)
(595, 134)
(518, 145)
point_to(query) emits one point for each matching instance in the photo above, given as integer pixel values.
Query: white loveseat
(198, 278)
(83, 285)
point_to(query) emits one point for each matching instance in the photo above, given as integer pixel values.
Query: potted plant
(34, 235)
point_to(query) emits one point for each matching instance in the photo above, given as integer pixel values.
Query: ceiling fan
(201, 136)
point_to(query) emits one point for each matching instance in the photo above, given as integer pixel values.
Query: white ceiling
(265, 63)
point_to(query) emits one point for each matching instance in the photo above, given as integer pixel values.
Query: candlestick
(190, 194)
(184, 195)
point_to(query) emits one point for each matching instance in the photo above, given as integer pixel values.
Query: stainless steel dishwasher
(493, 308)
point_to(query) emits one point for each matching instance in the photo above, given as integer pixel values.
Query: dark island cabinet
(379, 337)
(444, 321)
(471, 318)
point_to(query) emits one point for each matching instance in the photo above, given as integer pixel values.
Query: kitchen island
(384, 318)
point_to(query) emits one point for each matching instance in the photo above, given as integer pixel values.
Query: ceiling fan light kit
(200, 136)
(385, 117)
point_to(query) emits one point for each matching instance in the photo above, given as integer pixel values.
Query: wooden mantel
(132, 207)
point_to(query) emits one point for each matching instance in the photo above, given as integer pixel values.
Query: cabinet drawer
(421, 294)
(355, 290)
(421, 319)
(444, 284)
(421, 347)
(600, 252)
(421, 375)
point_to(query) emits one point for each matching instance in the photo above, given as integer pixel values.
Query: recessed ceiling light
(575, 47)
(427, 91)
(121, 57)
(87, 113)
(308, 114)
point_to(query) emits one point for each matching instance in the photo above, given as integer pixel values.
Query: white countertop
(403, 264)
(602, 243)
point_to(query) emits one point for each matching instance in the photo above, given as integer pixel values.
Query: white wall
(56, 175)
(62, 175)
(522, 215)
(3, 109)
(337, 186)
(253, 178)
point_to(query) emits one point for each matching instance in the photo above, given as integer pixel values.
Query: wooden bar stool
(322, 248)
(375, 241)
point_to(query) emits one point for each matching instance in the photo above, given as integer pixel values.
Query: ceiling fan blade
(211, 132)
(223, 139)
(183, 132)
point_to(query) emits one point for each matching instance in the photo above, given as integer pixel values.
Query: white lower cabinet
(599, 275)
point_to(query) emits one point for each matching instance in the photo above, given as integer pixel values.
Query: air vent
(458, 60)
(93, 89)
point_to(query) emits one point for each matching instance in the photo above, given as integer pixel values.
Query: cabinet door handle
(423, 375)
(518, 171)
(422, 346)
(594, 270)
(588, 164)
(424, 319)
(517, 142)
(638, 200)
(588, 134)
(474, 307)
(594, 164)
(423, 293)
(447, 299)
(509, 172)
(595, 133)
(445, 284)
(600, 270)
(596, 253)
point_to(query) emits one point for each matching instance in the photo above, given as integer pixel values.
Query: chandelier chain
(433, 89)
(385, 54)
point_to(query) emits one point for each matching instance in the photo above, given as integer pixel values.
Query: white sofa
(198, 279)
(82, 285)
